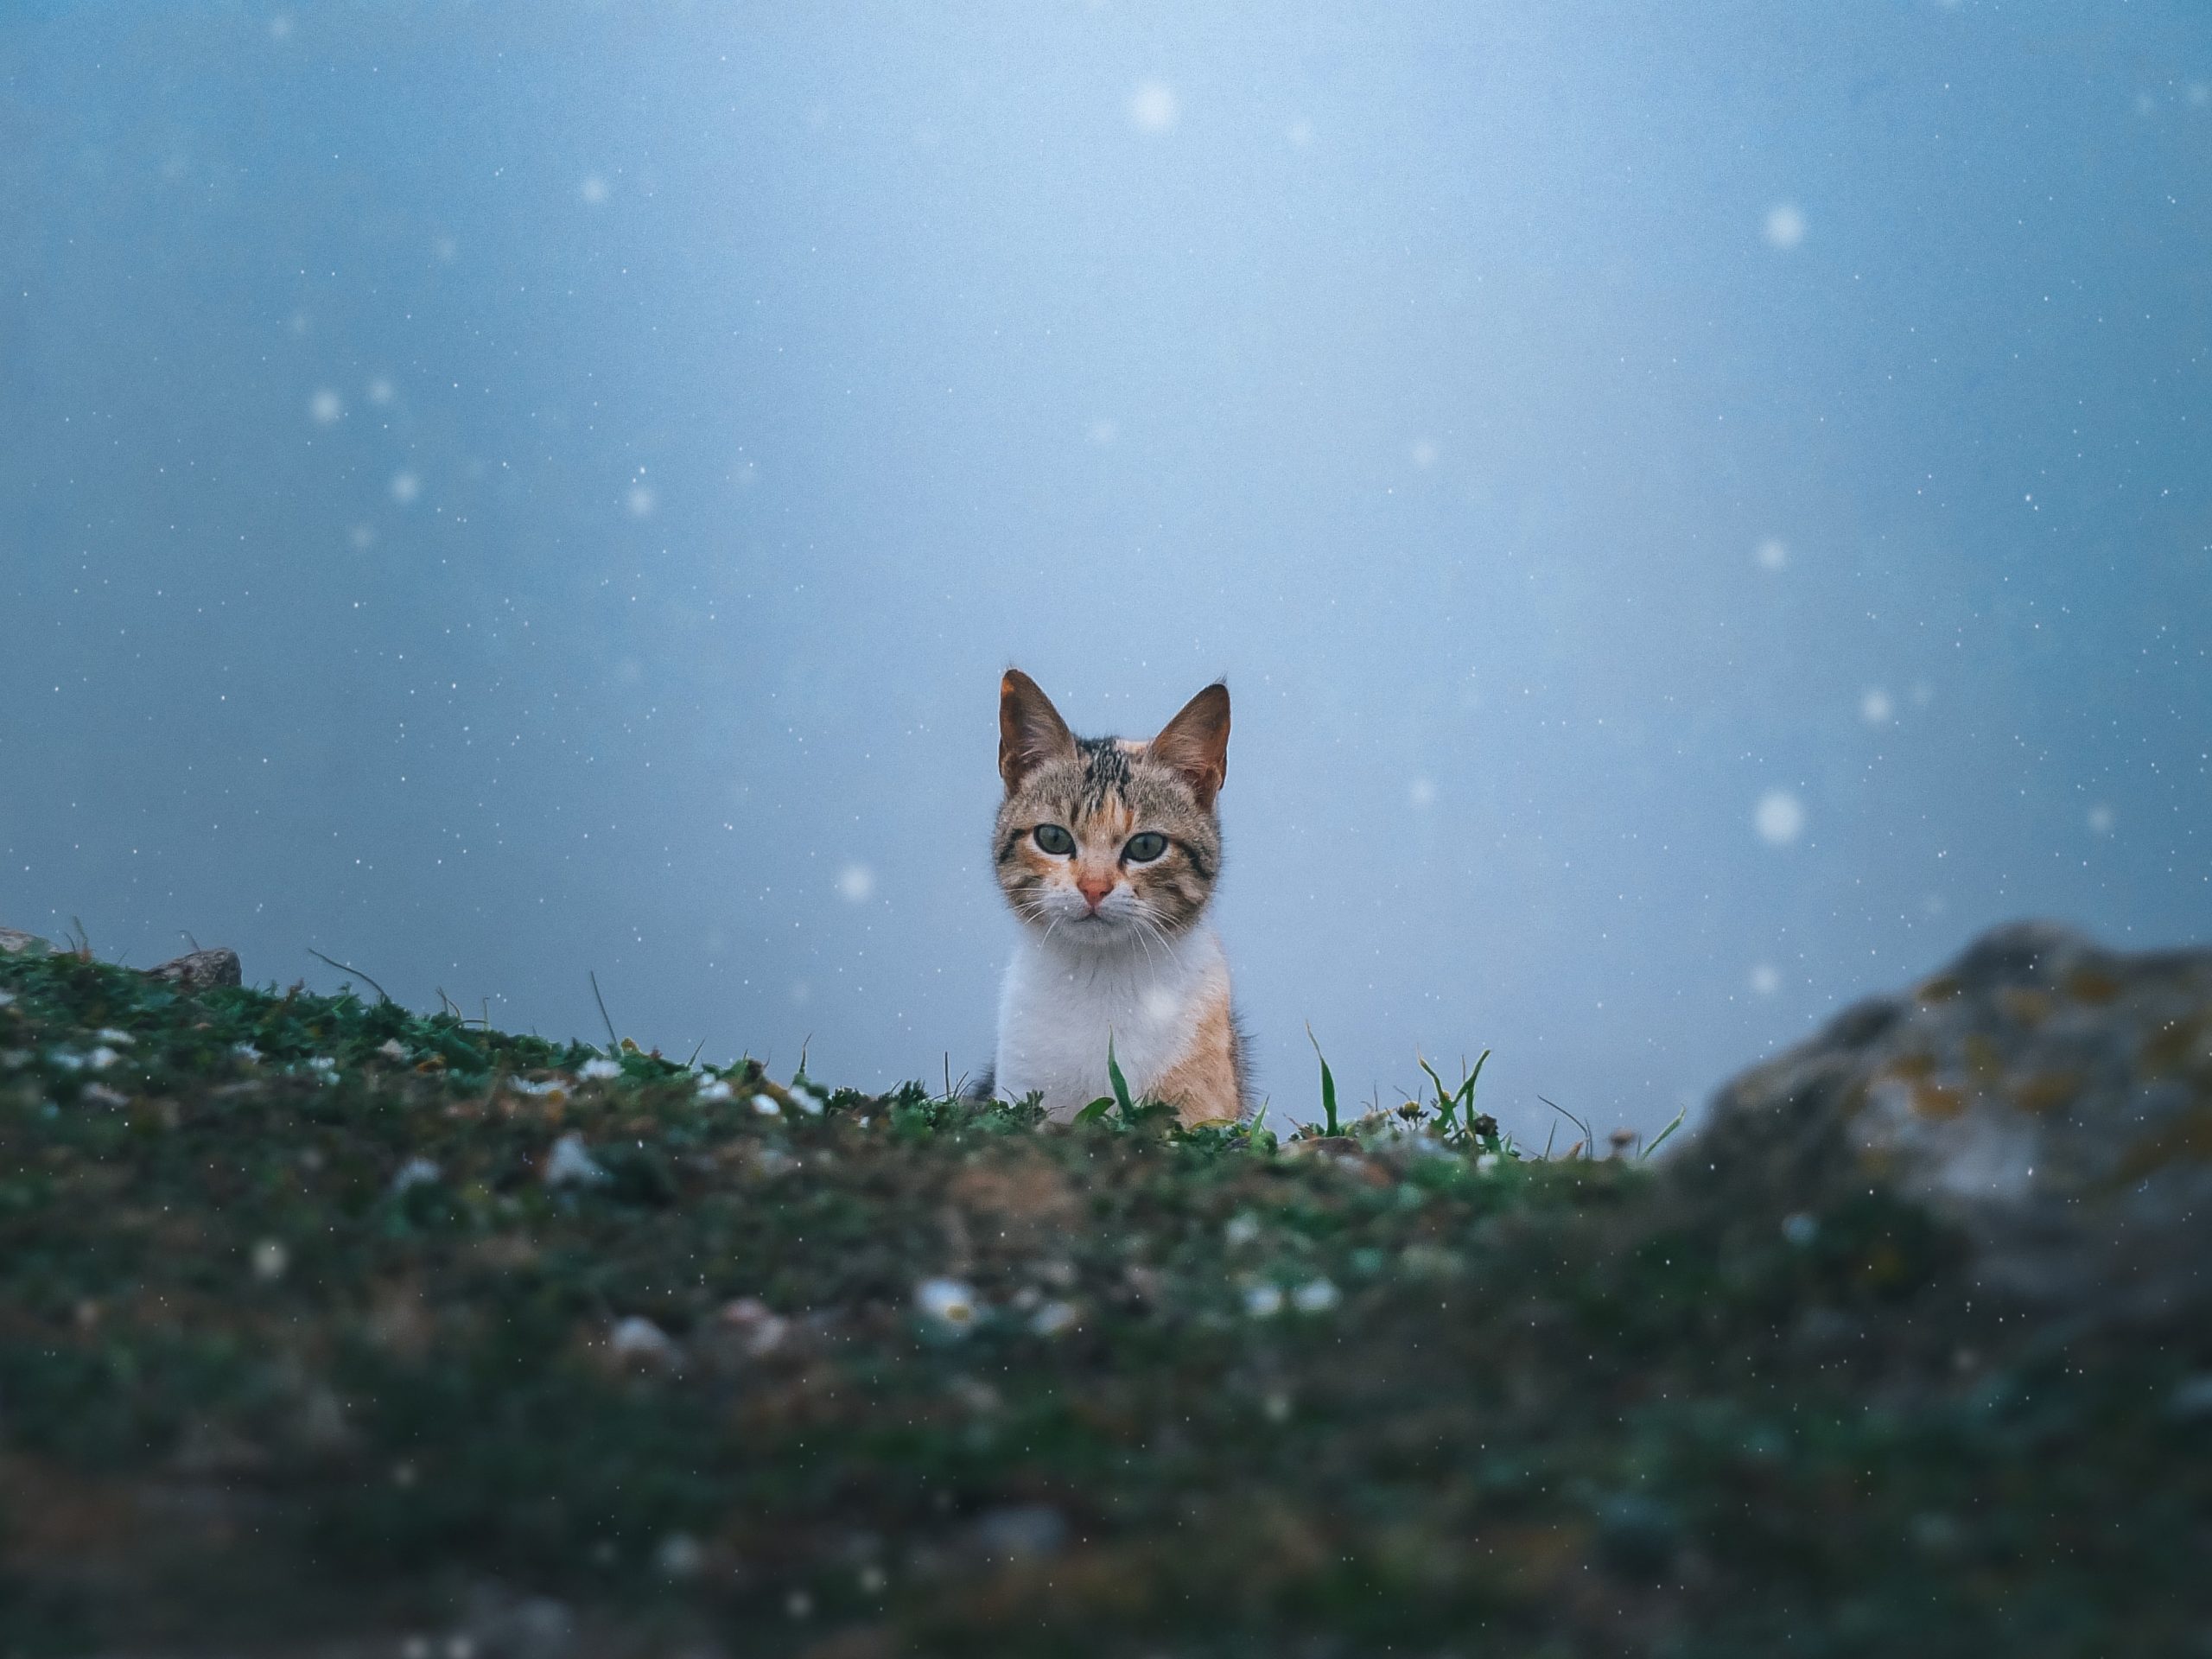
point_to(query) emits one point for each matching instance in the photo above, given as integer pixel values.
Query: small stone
(14, 942)
(679, 1555)
(1021, 1532)
(200, 970)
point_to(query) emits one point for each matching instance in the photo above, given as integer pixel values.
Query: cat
(1108, 850)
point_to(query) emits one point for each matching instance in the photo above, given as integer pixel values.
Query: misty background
(1700, 510)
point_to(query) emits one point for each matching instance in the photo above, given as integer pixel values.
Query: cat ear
(1031, 731)
(1196, 742)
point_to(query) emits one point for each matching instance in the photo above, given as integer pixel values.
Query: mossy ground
(302, 1358)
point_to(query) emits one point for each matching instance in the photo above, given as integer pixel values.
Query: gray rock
(14, 942)
(200, 970)
(2052, 1098)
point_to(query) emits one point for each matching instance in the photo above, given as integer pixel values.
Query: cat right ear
(1031, 731)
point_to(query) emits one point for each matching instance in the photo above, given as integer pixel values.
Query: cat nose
(1093, 889)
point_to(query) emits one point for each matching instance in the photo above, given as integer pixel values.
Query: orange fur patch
(1203, 1086)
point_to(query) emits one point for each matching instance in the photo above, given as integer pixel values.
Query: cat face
(1105, 842)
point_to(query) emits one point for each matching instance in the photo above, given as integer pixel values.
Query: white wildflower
(550, 1086)
(323, 1067)
(392, 1049)
(1486, 1164)
(712, 1088)
(1241, 1229)
(1263, 1301)
(102, 1057)
(765, 1105)
(247, 1053)
(6, 998)
(948, 1302)
(110, 1034)
(597, 1070)
(638, 1338)
(1315, 1296)
(100, 1095)
(67, 1059)
(416, 1172)
(570, 1165)
(1052, 1318)
(807, 1100)
(270, 1258)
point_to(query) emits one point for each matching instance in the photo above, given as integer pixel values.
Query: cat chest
(1058, 1021)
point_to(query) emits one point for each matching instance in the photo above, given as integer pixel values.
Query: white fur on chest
(1057, 1007)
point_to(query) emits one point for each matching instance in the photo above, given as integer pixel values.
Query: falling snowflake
(1153, 107)
(1779, 818)
(405, 486)
(594, 190)
(1785, 226)
(1766, 979)
(1773, 553)
(1875, 708)
(2101, 819)
(325, 407)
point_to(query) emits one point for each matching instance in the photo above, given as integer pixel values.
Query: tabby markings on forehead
(1106, 770)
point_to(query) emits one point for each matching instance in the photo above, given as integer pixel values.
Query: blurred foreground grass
(326, 1327)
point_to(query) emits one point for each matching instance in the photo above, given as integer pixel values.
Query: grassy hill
(329, 1328)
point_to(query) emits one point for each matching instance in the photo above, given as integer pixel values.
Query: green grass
(316, 1350)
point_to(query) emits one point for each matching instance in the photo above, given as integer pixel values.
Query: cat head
(1105, 842)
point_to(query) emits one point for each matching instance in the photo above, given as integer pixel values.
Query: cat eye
(1053, 839)
(1143, 848)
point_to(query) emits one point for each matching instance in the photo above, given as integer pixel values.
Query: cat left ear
(1196, 742)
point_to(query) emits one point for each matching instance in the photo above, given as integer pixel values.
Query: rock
(200, 970)
(2050, 1098)
(14, 942)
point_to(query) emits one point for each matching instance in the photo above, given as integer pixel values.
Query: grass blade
(1446, 1104)
(1114, 1076)
(1328, 1082)
(1660, 1139)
